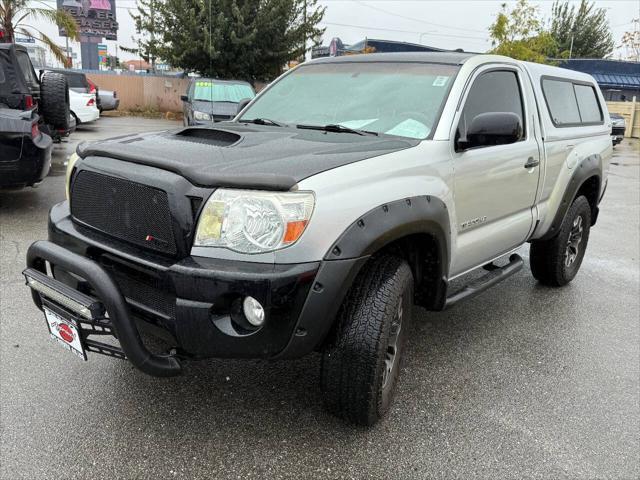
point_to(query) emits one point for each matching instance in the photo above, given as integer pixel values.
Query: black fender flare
(591, 166)
(368, 234)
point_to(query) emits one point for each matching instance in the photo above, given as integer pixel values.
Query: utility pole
(152, 42)
(571, 48)
(304, 55)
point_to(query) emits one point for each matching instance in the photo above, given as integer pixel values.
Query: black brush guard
(119, 316)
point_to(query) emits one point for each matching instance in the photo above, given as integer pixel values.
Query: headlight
(250, 221)
(73, 158)
(201, 116)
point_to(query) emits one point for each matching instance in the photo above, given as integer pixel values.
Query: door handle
(531, 162)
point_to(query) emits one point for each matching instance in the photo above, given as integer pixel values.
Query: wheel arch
(415, 228)
(586, 180)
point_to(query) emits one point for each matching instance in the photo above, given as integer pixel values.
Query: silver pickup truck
(348, 191)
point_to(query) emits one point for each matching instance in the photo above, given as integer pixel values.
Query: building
(618, 80)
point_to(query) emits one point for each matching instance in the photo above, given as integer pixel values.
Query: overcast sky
(446, 24)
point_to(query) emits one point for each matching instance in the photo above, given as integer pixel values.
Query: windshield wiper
(264, 121)
(335, 128)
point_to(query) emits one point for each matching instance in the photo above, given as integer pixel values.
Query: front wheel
(555, 262)
(360, 366)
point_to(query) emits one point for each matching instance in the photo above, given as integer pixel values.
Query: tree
(581, 32)
(520, 34)
(631, 41)
(148, 22)
(245, 39)
(14, 15)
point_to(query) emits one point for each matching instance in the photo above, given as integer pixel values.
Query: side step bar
(496, 275)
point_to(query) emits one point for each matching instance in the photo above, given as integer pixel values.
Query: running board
(496, 275)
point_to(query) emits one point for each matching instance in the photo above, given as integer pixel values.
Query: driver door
(494, 186)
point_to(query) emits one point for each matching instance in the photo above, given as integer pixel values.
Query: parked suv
(346, 193)
(210, 100)
(33, 112)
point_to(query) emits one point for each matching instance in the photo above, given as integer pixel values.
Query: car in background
(79, 82)
(618, 127)
(83, 107)
(25, 152)
(33, 112)
(108, 100)
(210, 100)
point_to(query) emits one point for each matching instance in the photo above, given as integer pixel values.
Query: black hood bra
(245, 156)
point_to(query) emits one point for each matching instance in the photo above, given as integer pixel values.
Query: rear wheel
(361, 364)
(54, 96)
(555, 262)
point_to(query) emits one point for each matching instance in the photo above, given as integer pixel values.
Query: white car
(83, 107)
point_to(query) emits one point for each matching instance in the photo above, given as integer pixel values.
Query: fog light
(253, 311)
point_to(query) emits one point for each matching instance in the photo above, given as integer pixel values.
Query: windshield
(401, 99)
(210, 91)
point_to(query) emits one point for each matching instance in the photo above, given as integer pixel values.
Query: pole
(152, 41)
(304, 53)
(66, 40)
(571, 48)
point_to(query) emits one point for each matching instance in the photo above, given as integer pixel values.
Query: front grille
(123, 209)
(617, 131)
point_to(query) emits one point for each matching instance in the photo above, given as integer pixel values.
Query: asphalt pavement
(521, 382)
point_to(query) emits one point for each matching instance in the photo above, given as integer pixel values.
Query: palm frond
(59, 17)
(58, 53)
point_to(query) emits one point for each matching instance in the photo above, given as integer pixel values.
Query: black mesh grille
(146, 294)
(126, 210)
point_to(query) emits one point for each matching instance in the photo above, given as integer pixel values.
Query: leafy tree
(14, 15)
(520, 34)
(245, 39)
(148, 22)
(586, 27)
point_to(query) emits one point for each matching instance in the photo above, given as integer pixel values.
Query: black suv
(33, 112)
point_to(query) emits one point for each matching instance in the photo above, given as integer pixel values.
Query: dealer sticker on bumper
(65, 332)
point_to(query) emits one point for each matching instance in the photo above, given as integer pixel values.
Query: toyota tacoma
(347, 192)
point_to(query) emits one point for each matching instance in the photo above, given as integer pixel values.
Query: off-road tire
(54, 97)
(358, 379)
(549, 258)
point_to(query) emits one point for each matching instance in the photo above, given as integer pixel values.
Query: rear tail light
(92, 86)
(91, 102)
(35, 131)
(28, 102)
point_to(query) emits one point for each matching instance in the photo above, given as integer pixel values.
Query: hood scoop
(208, 136)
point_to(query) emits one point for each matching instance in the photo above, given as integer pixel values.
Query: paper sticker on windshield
(358, 123)
(440, 81)
(410, 128)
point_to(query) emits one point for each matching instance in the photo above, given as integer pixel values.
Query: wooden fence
(140, 92)
(631, 113)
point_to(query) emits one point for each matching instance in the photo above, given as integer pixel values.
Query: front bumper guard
(109, 295)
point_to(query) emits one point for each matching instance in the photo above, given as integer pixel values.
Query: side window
(27, 68)
(571, 104)
(588, 104)
(495, 91)
(561, 101)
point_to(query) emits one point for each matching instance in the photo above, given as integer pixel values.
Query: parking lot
(520, 382)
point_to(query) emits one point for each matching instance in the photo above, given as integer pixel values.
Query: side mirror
(243, 103)
(184, 98)
(492, 128)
